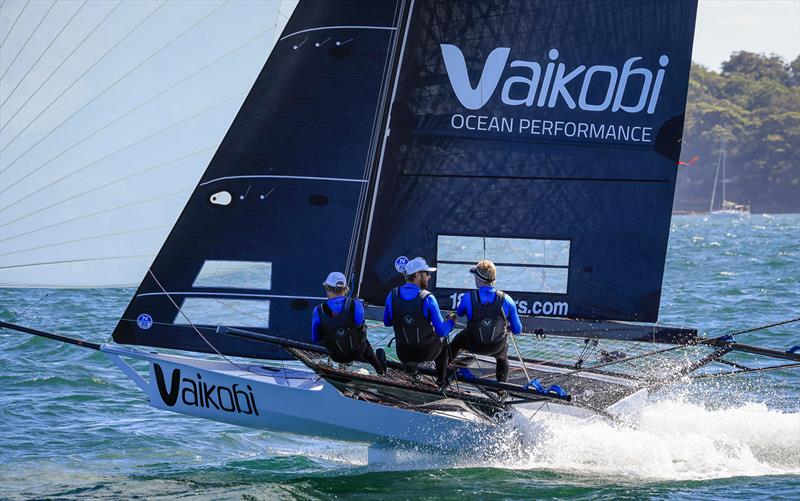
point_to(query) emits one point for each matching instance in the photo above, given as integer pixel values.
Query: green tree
(755, 104)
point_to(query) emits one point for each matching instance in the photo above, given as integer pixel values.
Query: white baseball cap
(335, 279)
(417, 264)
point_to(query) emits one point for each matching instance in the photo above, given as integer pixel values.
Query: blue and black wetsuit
(419, 329)
(490, 315)
(339, 325)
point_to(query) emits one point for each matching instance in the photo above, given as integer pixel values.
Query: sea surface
(72, 426)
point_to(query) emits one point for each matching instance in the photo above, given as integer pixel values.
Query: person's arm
(316, 335)
(510, 308)
(359, 313)
(387, 311)
(464, 304)
(440, 325)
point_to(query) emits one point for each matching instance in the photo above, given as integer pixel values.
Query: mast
(367, 216)
(724, 179)
(716, 178)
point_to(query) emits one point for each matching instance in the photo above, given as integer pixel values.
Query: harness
(340, 333)
(488, 324)
(411, 328)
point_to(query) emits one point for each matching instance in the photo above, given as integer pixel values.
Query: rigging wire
(14, 23)
(27, 40)
(70, 86)
(150, 99)
(18, 315)
(194, 327)
(63, 61)
(762, 327)
(672, 348)
(106, 157)
(32, 66)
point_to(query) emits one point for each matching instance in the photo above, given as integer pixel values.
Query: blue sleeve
(511, 313)
(464, 306)
(316, 335)
(359, 313)
(440, 325)
(387, 311)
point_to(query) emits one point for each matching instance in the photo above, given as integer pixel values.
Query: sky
(725, 26)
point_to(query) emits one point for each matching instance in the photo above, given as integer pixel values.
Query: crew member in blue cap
(419, 329)
(490, 315)
(339, 324)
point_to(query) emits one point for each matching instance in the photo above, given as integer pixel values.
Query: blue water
(72, 426)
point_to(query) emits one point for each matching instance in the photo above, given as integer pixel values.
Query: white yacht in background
(726, 207)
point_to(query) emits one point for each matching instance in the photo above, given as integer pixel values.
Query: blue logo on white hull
(144, 321)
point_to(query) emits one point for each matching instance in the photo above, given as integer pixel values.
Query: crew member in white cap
(339, 324)
(419, 329)
(490, 315)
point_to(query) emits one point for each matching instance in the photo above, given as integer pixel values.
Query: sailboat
(727, 207)
(541, 135)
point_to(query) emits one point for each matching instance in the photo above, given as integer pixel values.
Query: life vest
(411, 328)
(488, 324)
(340, 333)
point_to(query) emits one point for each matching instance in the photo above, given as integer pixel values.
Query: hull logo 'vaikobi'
(195, 392)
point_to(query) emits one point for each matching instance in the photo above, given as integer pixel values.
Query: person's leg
(441, 360)
(408, 356)
(457, 344)
(501, 356)
(368, 355)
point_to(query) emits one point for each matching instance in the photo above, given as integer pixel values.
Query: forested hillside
(755, 102)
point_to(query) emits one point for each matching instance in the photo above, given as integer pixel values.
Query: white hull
(291, 401)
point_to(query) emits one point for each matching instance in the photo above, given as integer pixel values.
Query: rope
(246, 369)
(767, 326)
(672, 348)
(28, 308)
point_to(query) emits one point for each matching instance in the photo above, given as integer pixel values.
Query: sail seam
(235, 294)
(343, 27)
(268, 176)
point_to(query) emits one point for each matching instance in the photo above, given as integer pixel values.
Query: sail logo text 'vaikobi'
(195, 392)
(555, 84)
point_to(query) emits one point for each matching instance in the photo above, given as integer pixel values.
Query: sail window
(523, 265)
(235, 275)
(228, 312)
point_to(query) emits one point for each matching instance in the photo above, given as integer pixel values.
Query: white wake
(665, 440)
